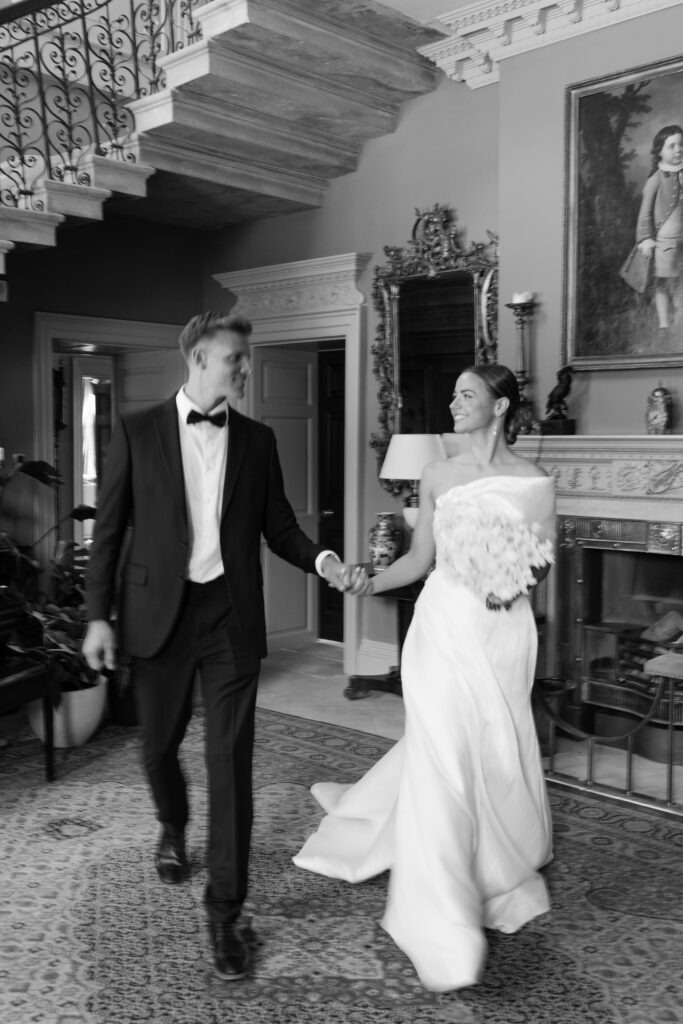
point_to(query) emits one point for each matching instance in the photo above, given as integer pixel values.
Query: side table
(390, 682)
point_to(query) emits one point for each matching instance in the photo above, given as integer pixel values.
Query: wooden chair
(25, 683)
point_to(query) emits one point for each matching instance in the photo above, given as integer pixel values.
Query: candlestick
(525, 420)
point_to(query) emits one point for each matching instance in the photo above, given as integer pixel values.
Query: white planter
(77, 717)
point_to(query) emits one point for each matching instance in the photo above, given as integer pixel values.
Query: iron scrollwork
(68, 71)
(434, 250)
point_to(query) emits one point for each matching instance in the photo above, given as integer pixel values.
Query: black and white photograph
(341, 512)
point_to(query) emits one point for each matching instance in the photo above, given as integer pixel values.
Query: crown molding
(485, 33)
(329, 283)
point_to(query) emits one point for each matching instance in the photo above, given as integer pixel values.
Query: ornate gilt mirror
(437, 304)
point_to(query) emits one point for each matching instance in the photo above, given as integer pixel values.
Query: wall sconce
(523, 306)
(406, 457)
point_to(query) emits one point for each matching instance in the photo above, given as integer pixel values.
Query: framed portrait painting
(623, 300)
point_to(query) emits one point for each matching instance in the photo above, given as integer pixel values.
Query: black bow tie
(219, 419)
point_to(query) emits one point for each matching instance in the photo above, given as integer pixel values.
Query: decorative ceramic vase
(384, 541)
(659, 411)
(77, 717)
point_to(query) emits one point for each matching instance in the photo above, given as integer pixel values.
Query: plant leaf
(41, 471)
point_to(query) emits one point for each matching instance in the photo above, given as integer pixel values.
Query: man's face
(227, 364)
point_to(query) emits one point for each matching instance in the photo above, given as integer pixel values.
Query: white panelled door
(284, 397)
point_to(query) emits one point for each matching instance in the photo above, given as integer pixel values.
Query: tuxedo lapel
(168, 435)
(237, 445)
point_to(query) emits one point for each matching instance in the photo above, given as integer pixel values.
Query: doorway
(319, 300)
(61, 337)
(331, 427)
(297, 389)
(91, 386)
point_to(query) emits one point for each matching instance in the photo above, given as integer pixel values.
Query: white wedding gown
(457, 809)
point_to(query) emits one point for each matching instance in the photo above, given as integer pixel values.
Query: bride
(457, 809)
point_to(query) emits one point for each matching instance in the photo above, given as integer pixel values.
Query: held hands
(343, 577)
(99, 646)
(359, 583)
(335, 572)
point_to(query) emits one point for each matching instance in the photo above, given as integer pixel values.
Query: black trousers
(205, 640)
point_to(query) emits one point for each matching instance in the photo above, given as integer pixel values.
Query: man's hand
(496, 604)
(647, 246)
(99, 646)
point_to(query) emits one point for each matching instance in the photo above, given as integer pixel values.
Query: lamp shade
(408, 454)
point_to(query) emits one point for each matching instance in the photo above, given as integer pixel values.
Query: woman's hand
(495, 604)
(358, 582)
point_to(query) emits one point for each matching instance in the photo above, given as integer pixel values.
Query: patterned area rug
(89, 935)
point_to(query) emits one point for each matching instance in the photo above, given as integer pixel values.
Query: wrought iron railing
(68, 71)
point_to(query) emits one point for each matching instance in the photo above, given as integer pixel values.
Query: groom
(190, 486)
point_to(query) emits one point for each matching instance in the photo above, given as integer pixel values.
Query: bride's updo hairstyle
(500, 382)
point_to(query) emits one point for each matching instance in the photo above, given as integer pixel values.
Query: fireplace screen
(630, 609)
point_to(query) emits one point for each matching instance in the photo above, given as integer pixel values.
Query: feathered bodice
(492, 532)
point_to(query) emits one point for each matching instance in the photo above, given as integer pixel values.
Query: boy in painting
(659, 230)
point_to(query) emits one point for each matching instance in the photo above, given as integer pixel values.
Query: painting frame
(610, 124)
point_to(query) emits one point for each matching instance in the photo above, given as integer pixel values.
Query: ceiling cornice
(303, 286)
(485, 33)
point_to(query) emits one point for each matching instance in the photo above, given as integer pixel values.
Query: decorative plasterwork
(485, 33)
(304, 286)
(621, 476)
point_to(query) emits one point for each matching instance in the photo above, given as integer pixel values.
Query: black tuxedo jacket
(141, 540)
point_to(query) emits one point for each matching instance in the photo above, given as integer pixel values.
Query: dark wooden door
(331, 484)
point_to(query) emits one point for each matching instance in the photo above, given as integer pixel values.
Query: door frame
(86, 334)
(309, 301)
(293, 636)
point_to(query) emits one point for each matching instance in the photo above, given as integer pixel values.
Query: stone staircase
(215, 114)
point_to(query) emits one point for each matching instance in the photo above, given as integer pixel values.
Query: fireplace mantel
(620, 476)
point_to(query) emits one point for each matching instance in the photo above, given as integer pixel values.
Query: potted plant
(62, 620)
(19, 570)
(53, 632)
(54, 626)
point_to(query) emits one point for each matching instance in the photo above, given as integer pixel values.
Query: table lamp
(406, 457)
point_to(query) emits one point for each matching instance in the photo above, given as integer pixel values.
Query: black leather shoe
(169, 858)
(231, 954)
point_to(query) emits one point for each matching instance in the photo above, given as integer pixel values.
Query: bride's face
(472, 407)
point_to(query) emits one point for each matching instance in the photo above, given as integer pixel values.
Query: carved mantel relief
(619, 476)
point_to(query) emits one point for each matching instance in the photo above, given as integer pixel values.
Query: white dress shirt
(204, 451)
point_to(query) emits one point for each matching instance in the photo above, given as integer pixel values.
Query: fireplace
(615, 597)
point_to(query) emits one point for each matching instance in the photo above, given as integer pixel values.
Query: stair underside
(275, 101)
